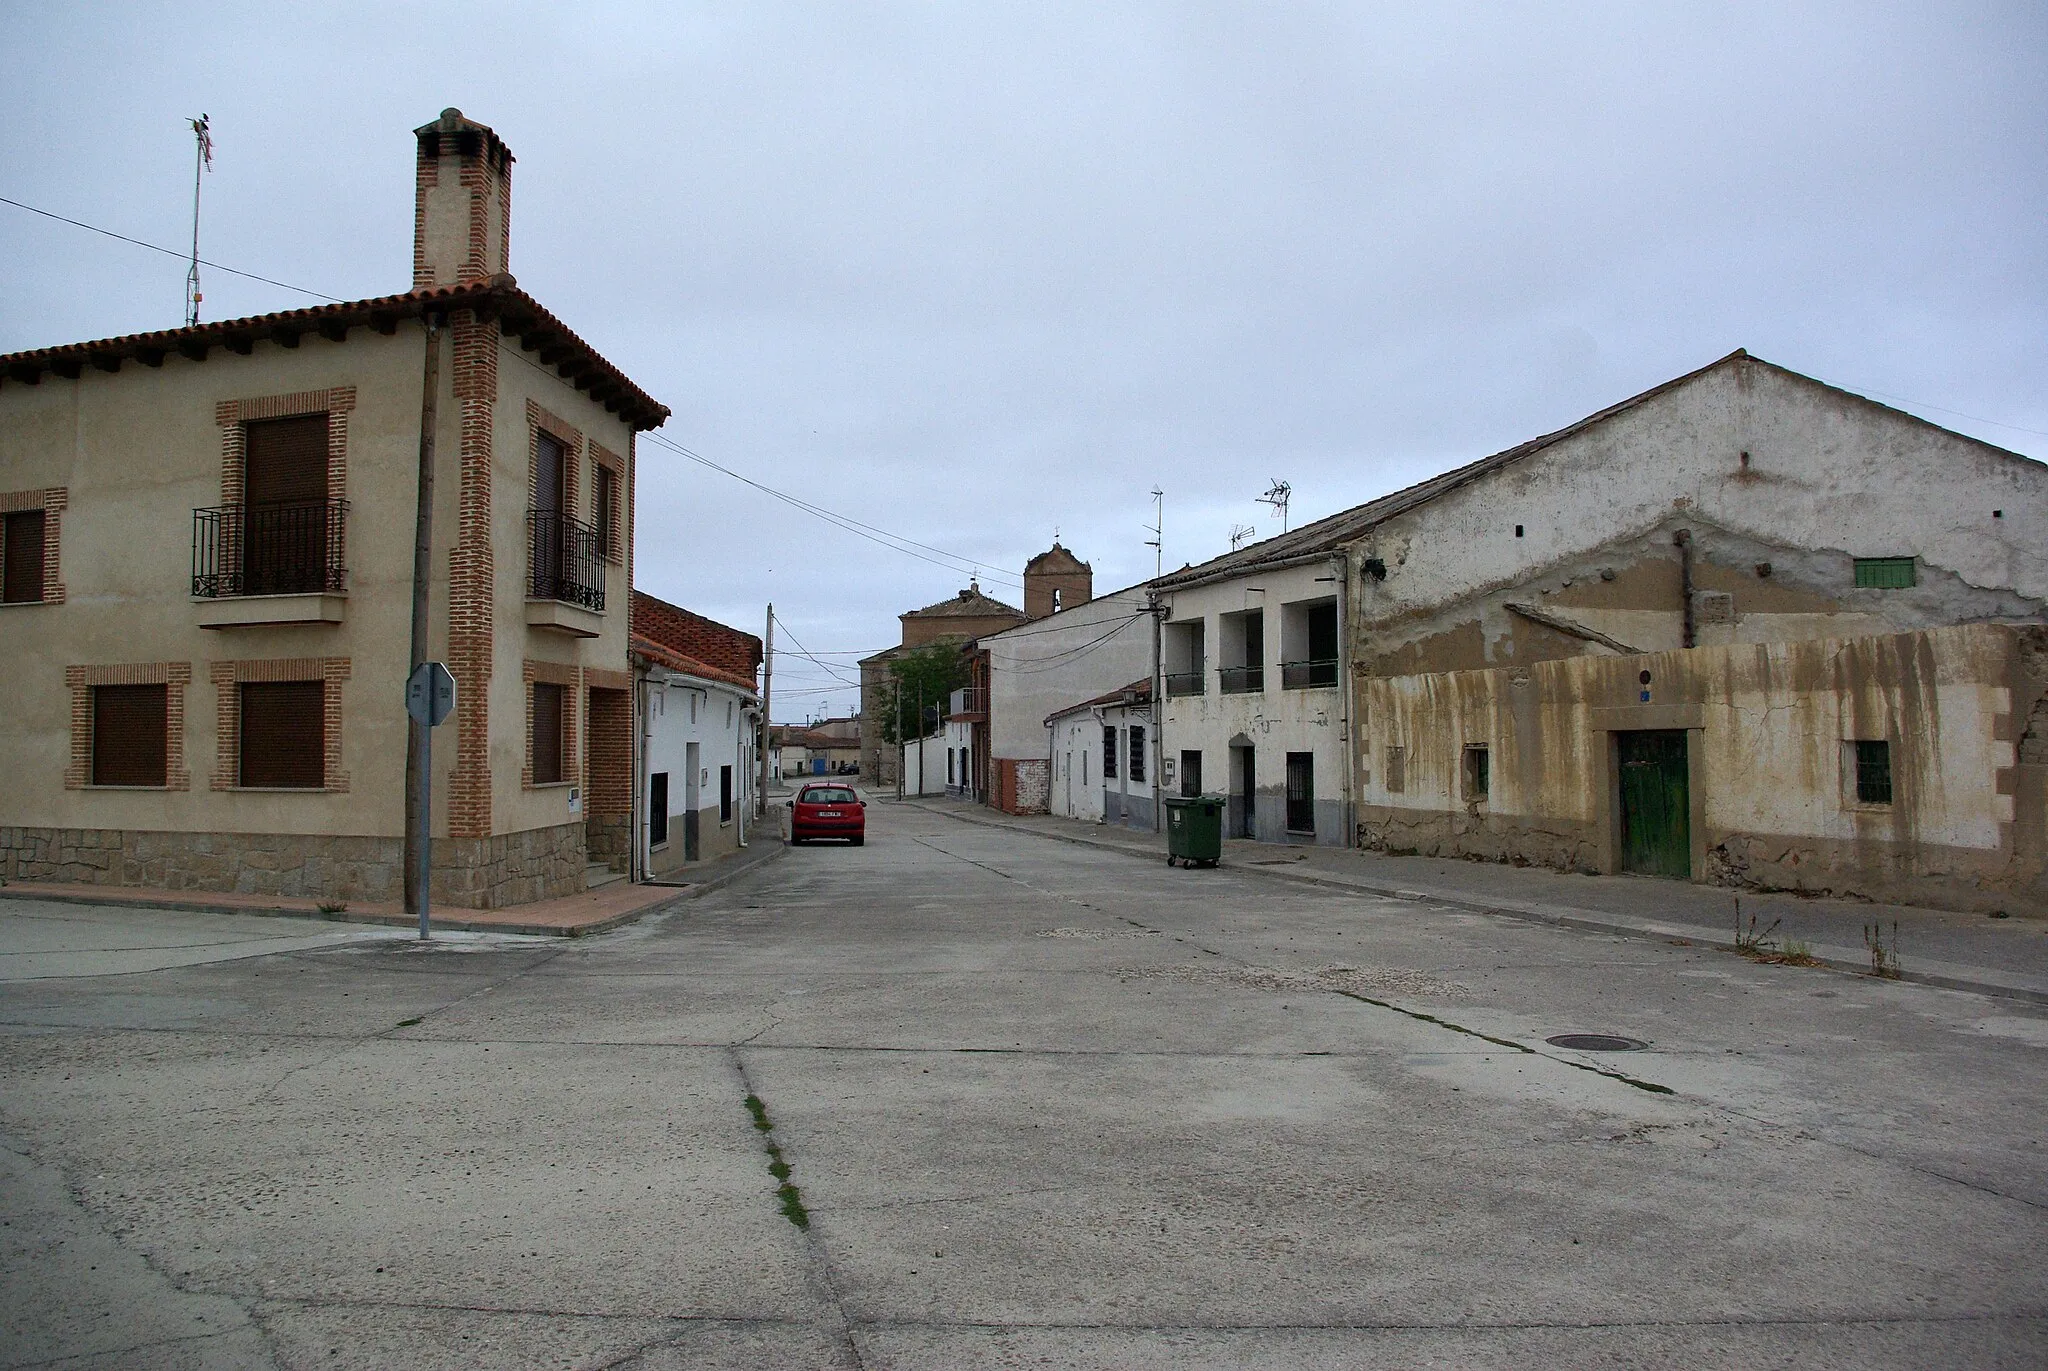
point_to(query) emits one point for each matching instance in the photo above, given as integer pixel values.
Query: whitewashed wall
(1047, 665)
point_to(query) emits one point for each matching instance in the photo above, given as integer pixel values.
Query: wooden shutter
(547, 733)
(607, 512)
(130, 735)
(284, 734)
(21, 541)
(550, 474)
(285, 462)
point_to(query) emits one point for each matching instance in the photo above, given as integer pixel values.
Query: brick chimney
(462, 208)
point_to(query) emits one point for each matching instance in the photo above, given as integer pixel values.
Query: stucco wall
(1274, 720)
(1056, 662)
(1773, 800)
(680, 711)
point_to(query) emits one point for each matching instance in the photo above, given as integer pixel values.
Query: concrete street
(1039, 1105)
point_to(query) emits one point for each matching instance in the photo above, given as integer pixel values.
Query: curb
(201, 905)
(1945, 976)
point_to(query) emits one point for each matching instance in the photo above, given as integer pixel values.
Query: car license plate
(828, 814)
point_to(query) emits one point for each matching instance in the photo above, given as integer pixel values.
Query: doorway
(1301, 792)
(692, 798)
(285, 511)
(1190, 773)
(1656, 803)
(1245, 809)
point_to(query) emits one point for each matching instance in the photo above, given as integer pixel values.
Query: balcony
(255, 565)
(1185, 682)
(1310, 675)
(565, 584)
(968, 705)
(1242, 680)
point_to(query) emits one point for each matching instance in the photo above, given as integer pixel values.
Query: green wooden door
(1656, 811)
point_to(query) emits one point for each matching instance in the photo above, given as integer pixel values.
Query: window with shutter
(130, 735)
(284, 493)
(21, 546)
(547, 733)
(283, 735)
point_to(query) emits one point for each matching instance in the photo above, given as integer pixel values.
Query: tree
(923, 675)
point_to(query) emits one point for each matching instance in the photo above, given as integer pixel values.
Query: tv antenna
(1277, 495)
(1157, 528)
(202, 162)
(1240, 534)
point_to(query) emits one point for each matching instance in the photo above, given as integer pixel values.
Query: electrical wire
(171, 252)
(895, 542)
(1060, 659)
(805, 653)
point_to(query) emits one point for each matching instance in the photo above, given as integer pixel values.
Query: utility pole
(1158, 724)
(202, 162)
(767, 719)
(418, 736)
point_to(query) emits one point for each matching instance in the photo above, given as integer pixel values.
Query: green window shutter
(1885, 573)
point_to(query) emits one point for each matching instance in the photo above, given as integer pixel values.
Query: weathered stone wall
(315, 866)
(511, 868)
(608, 838)
(1769, 733)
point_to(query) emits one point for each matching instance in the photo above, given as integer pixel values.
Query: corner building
(208, 538)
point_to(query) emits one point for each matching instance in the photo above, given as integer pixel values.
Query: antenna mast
(1240, 534)
(1277, 495)
(1157, 528)
(202, 162)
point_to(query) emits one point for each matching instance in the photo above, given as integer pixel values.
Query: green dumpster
(1194, 830)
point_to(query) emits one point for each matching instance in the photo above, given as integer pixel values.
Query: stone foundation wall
(1560, 845)
(469, 873)
(510, 868)
(312, 866)
(608, 838)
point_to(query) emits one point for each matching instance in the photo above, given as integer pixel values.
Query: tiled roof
(1137, 692)
(692, 635)
(518, 315)
(687, 665)
(968, 604)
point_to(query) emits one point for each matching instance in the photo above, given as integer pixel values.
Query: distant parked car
(828, 811)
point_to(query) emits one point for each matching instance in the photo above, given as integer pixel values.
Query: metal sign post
(429, 699)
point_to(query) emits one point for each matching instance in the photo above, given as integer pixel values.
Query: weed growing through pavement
(332, 906)
(1884, 957)
(1763, 945)
(787, 1195)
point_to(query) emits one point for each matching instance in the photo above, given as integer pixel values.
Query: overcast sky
(972, 273)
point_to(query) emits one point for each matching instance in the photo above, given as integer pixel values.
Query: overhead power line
(895, 542)
(172, 252)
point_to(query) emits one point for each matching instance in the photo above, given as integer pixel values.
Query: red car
(828, 811)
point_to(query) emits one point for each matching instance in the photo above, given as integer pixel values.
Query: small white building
(698, 727)
(1101, 760)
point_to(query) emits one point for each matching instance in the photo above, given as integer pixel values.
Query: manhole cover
(1596, 1042)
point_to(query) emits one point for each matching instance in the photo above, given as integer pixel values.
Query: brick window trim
(173, 676)
(226, 676)
(615, 536)
(233, 415)
(539, 421)
(52, 501)
(569, 677)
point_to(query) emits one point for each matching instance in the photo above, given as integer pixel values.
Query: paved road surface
(1042, 1106)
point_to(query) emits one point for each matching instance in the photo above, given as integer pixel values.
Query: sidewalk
(572, 916)
(2003, 957)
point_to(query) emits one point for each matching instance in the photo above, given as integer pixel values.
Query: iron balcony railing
(566, 560)
(281, 549)
(1308, 675)
(1185, 682)
(1242, 680)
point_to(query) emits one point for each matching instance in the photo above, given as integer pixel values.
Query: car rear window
(827, 795)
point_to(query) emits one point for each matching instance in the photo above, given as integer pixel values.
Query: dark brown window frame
(146, 707)
(557, 773)
(47, 507)
(280, 769)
